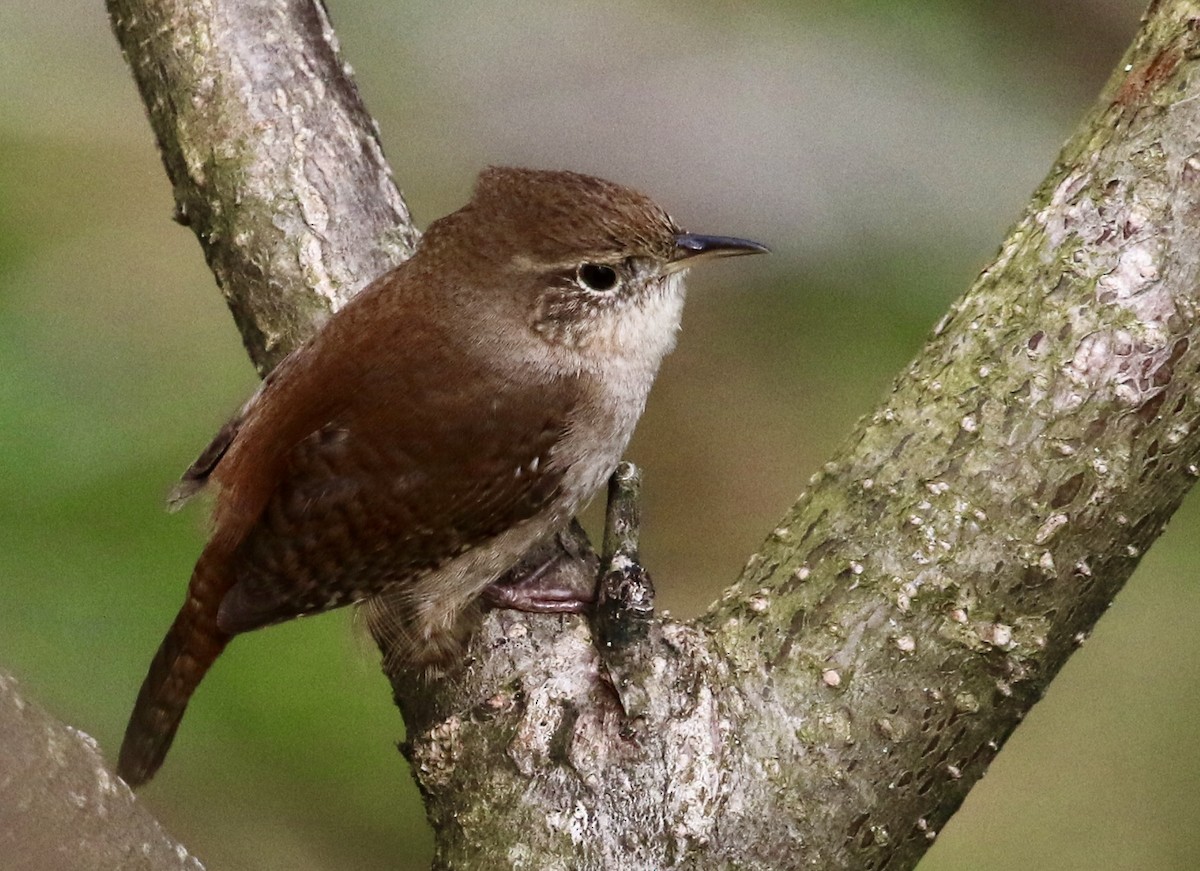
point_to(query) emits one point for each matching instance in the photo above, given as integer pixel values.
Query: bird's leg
(564, 575)
(557, 577)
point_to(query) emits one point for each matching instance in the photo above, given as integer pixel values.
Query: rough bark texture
(276, 164)
(61, 809)
(834, 708)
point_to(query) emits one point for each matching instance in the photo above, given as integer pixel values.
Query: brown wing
(386, 471)
(365, 506)
(197, 475)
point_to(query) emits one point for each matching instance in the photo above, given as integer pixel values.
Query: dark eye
(597, 277)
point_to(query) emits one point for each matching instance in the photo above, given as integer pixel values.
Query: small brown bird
(458, 410)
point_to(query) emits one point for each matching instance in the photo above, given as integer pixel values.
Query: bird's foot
(558, 577)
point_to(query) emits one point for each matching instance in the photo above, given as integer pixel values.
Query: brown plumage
(455, 412)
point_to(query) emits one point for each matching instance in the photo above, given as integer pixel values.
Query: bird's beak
(691, 248)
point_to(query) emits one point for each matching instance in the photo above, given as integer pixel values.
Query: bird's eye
(597, 277)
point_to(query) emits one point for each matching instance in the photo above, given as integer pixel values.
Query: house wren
(453, 414)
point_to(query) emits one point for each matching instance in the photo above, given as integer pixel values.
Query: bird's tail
(185, 655)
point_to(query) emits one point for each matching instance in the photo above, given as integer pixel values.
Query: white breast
(620, 364)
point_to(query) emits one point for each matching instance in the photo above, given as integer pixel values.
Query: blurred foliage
(881, 148)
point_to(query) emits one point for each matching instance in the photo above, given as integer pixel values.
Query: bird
(454, 413)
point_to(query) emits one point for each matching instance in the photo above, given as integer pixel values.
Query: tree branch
(275, 163)
(61, 808)
(834, 708)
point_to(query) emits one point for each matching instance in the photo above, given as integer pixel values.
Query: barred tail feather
(185, 655)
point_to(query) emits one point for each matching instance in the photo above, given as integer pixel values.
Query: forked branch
(835, 706)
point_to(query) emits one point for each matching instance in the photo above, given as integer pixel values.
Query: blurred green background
(880, 148)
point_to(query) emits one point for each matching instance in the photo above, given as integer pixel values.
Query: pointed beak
(691, 248)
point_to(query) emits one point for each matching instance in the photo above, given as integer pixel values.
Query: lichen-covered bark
(276, 164)
(833, 709)
(916, 602)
